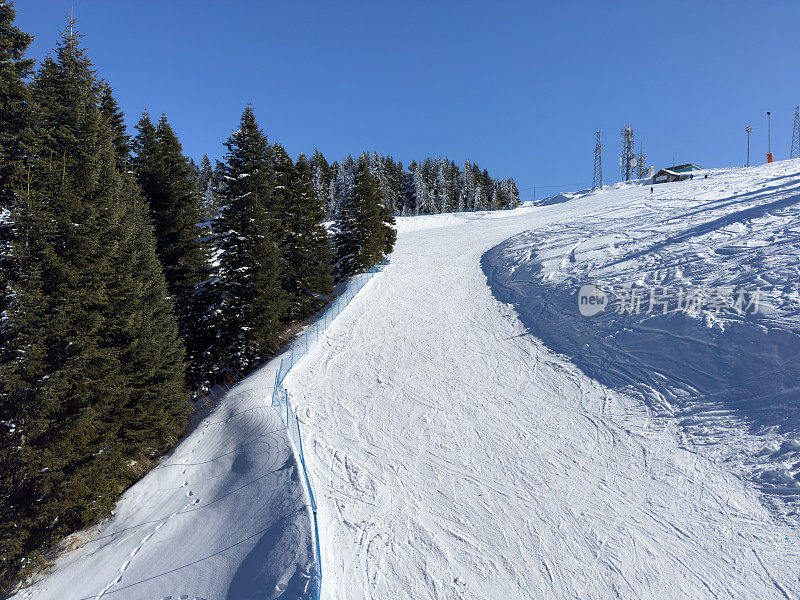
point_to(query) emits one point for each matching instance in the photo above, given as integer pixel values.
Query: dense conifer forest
(133, 279)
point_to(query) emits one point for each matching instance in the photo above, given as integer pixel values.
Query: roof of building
(684, 168)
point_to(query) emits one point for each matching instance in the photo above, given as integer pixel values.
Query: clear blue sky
(519, 88)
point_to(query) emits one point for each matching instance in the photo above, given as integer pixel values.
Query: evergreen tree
(342, 186)
(332, 202)
(364, 230)
(478, 201)
(451, 175)
(14, 103)
(206, 174)
(207, 189)
(168, 183)
(281, 174)
(92, 386)
(348, 237)
(424, 203)
(466, 188)
(408, 190)
(116, 122)
(394, 183)
(252, 302)
(306, 246)
(14, 133)
(376, 217)
(194, 169)
(147, 333)
(511, 193)
(486, 185)
(321, 177)
(15, 141)
(384, 169)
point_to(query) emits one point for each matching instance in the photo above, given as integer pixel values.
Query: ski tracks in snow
(457, 457)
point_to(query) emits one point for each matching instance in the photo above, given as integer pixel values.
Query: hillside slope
(728, 373)
(223, 516)
(457, 456)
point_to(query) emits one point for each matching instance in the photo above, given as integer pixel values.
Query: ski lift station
(676, 173)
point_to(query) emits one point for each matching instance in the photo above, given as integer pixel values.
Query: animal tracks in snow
(125, 565)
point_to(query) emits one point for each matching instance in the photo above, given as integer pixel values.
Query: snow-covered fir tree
(433, 186)
(306, 246)
(364, 228)
(321, 178)
(251, 300)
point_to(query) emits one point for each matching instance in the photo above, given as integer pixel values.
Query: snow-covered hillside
(470, 435)
(730, 378)
(457, 456)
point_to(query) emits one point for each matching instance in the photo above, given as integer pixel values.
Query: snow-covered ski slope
(457, 456)
(731, 379)
(462, 446)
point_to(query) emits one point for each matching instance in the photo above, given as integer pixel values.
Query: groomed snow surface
(462, 444)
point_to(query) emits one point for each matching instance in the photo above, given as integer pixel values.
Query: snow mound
(732, 381)
(557, 199)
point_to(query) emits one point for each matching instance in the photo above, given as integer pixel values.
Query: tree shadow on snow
(271, 570)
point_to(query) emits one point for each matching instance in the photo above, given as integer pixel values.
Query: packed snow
(470, 435)
(455, 455)
(728, 374)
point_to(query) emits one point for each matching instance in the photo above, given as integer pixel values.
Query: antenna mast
(597, 178)
(641, 163)
(795, 150)
(627, 160)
